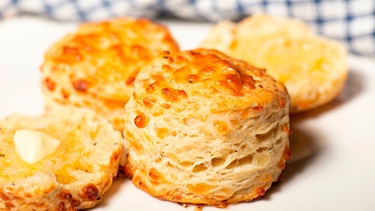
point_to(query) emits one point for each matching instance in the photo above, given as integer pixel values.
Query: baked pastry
(313, 68)
(96, 65)
(64, 160)
(204, 128)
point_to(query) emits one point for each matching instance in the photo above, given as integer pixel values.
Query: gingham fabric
(350, 21)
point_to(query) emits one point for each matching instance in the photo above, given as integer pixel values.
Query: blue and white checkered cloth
(350, 21)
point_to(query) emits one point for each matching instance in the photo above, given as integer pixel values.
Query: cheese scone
(313, 68)
(95, 66)
(63, 160)
(203, 128)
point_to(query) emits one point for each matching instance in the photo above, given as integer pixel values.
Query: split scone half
(63, 160)
(96, 65)
(203, 128)
(314, 69)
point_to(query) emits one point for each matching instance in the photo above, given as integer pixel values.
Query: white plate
(335, 143)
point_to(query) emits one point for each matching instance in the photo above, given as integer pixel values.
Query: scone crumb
(149, 102)
(154, 175)
(221, 127)
(90, 192)
(260, 191)
(68, 197)
(198, 208)
(50, 84)
(282, 102)
(184, 205)
(64, 94)
(140, 120)
(9, 205)
(173, 95)
(80, 85)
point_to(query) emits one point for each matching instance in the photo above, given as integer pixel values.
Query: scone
(203, 128)
(64, 160)
(313, 68)
(96, 65)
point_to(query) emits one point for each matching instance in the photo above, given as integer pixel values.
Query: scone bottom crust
(204, 128)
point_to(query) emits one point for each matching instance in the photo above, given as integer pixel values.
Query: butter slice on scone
(313, 68)
(95, 66)
(204, 128)
(63, 160)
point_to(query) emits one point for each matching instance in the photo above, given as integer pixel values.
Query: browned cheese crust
(75, 176)
(204, 128)
(96, 65)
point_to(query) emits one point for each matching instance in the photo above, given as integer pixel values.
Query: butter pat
(33, 145)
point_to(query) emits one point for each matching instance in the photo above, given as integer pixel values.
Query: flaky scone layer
(95, 66)
(75, 176)
(313, 68)
(204, 128)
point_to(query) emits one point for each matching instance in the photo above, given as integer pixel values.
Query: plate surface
(333, 146)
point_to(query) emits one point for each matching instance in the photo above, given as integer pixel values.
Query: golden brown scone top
(204, 128)
(103, 58)
(176, 80)
(313, 68)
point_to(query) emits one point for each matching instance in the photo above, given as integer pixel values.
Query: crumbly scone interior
(203, 128)
(313, 68)
(80, 154)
